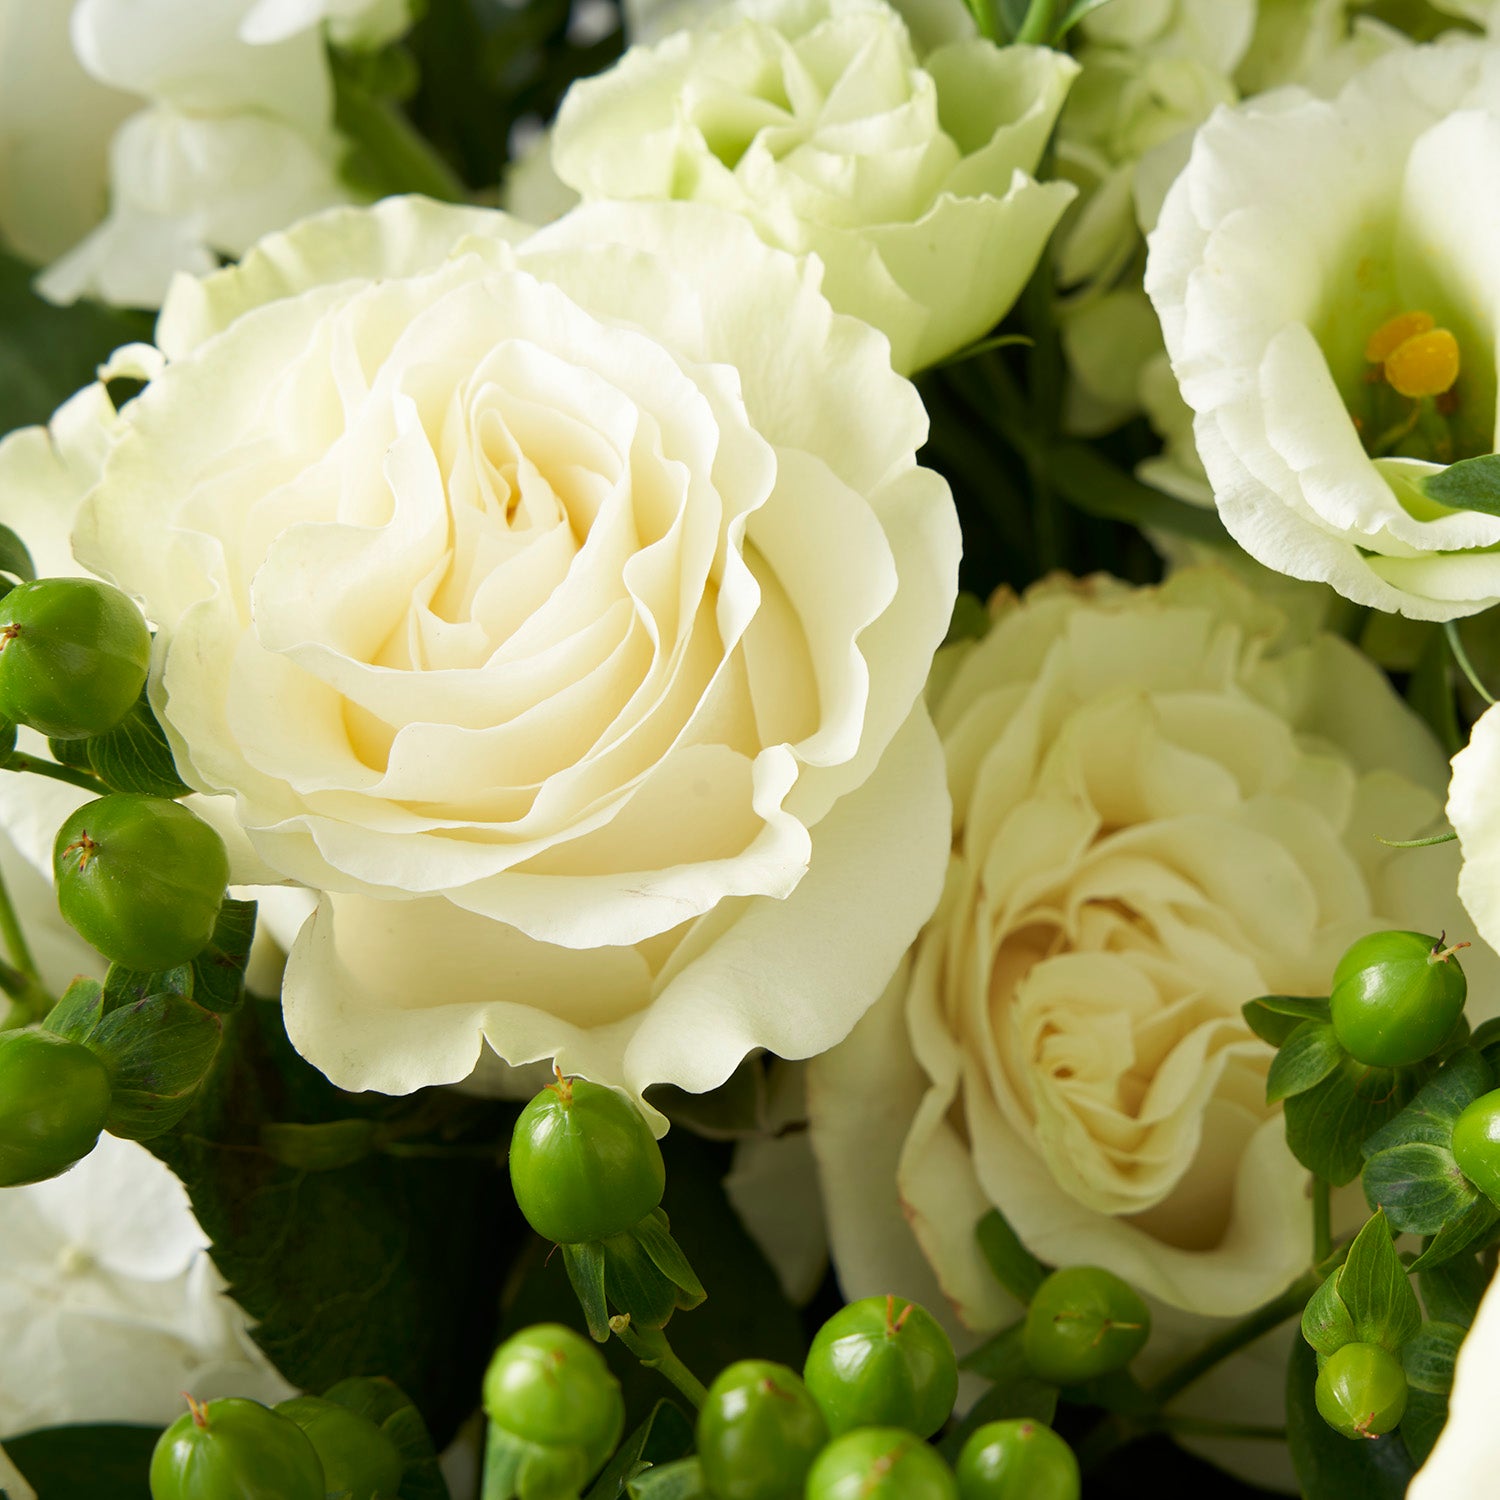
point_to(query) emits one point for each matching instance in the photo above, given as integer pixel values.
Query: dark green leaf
(587, 1273)
(219, 971)
(86, 1463)
(1460, 1234)
(1430, 1116)
(79, 1011)
(390, 1265)
(1330, 1466)
(158, 1052)
(14, 557)
(1327, 1126)
(1422, 1423)
(1018, 1394)
(383, 153)
(1451, 1291)
(654, 1235)
(665, 1436)
(1303, 1060)
(1326, 1323)
(1470, 484)
(682, 1480)
(1428, 1357)
(1273, 1018)
(1418, 1185)
(1000, 1357)
(1085, 479)
(1430, 693)
(1015, 1267)
(385, 1404)
(134, 756)
(1374, 1286)
(124, 986)
(320, 1148)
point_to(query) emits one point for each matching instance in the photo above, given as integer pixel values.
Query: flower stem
(1461, 656)
(1039, 24)
(650, 1346)
(1322, 1220)
(23, 982)
(70, 774)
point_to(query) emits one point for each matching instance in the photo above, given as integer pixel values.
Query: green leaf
(85, 1462)
(654, 1235)
(1092, 484)
(158, 1052)
(1430, 1116)
(1303, 1060)
(320, 1148)
(47, 352)
(1326, 1127)
(1273, 1018)
(219, 971)
(15, 559)
(1470, 484)
(132, 757)
(1422, 1423)
(1418, 1185)
(124, 986)
(391, 1265)
(586, 1270)
(1460, 1234)
(1326, 1323)
(1374, 1286)
(1074, 14)
(384, 153)
(1451, 1292)
(1428, 1357)
(665, 1436)
(1430, 693)
(1015, 1267)
(385, 1404)
(1330, 1466)
(1016, 1394)
(78, 1011)
(682, 1480)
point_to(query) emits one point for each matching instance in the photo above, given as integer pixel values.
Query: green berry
(880, 1463)
(1361, 1390)
(235, 1450)
(141, 878)
(882, 1362)
(54, 1099)
(583, 1163)
(1396, 998)
(551, 1387)
(758, 1433)
(1476, 1144)
(73, 656)
(1083, 1322)
(359, 1460)
(1017, 1460)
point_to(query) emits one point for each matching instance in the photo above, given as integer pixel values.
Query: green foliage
(682, 1480)
(1327, 1126)
(1015, 1267)
(1308, 1055)
(1374, 1286)
(1273, 1018)
(1469, 484)
(1428, 1360)
(655, 1446)
(1329, 1466)
(385, 1404)
(1451, 1292)
(86, 1462)
(132, 757)
(15, 559)
(386, 1265)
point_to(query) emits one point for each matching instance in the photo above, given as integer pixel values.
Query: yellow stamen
(1390, 336)
(1426, 365)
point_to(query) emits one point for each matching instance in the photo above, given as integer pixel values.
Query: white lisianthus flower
(111, 1305)
(1474, 813)
(1324, 276)
(351, 23)
(1166, 803)
(556, 604)
(816, 121)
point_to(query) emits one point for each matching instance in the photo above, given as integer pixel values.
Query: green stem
(39, 767)
(1200, 1427)
(1322, 1219)
(1461, 656)
(1039, 24)
(650, 1346)
(23, 983)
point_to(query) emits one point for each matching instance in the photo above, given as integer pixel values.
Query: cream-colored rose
(816, 121)
(1166, 802)
(556, 604)
(1305, 248)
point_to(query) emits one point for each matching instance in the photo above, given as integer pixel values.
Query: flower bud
(758, 1433)
(235, 1450)
(54, 1100)
(1083, 1322)
(1396, 997)
(73, 656)
(1361, 1390)
(882, 1362)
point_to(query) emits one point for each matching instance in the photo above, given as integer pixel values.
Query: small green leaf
(1460, 1234)
(1303, 1061)
(78, 1011)
(14, 558)
(132, 757)
(682, 1480)
(124, 986)
(219, 971)
(654, 1235)
(585, 1267)
(665, 1436)
(1470, 484)
(1273, 1018)
(1422, 1423)
(1418, 1185)
(1326, 1323)
(319, 1148)
(1451, 1292)
(1326, 1127)
(1430, 1116)
(1374, 1286)
(1428, 1357)
(1015, 1267)
(384, 1403)
(158, 1052)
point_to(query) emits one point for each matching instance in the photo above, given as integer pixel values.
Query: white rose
(111, 1305)
(557, 604)
(1165, 804)
(1298, 261)
(814, 119)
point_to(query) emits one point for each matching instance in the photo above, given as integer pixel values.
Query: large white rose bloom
(1325, 277)
(911, 180)
(110, 1305)
(1166, 803)
(557, 604)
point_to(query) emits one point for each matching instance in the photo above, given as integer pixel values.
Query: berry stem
(650, 1346)
(15, 939)
(38, 767)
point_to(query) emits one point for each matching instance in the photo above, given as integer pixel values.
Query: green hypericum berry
(882, 1362)
(550, 1386)
(358, 1459)
(1017, 1460)
(54, 1098)
(1476, 1144)
(1396, 997)
(1361, 1390)
(1083, 1322)
(141, 878)
(583, 1163)
(73, 656)
(758, 1433)
(235, 1450)
(880, 1463)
